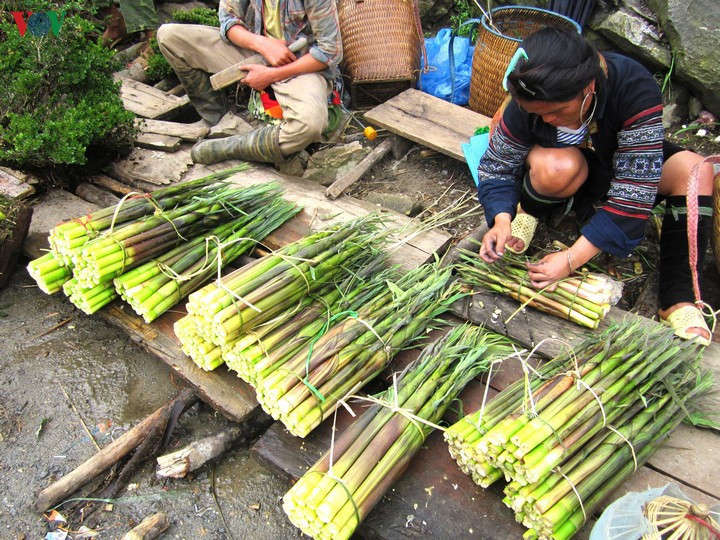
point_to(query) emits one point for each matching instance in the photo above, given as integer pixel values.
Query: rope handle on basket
(693, 212)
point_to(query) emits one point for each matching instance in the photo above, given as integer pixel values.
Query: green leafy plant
(158, 66)
(57, 95)
(462, 11)
(206, 16)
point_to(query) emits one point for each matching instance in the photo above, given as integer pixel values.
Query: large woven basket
(496, 46)
(380, 40)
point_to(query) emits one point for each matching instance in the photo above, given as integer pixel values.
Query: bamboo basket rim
(484, 19)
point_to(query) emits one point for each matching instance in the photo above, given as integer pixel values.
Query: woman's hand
(549, 270)
(493, 243)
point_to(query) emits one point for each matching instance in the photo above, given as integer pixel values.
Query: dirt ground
(111, 385)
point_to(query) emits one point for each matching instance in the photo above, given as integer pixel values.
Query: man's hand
(548, 270)
(493, 243)
(276, 52)
(258, 77)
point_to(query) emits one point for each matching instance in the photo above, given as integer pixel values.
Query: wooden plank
(149, 102)
(153, 141)
(151, 167)
(187, 132)
(428, 120)
(221, 389)
(347, 180)
(13, 184)
(319, 212)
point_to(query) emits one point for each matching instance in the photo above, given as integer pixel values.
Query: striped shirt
(572, 137)
(317, 20)
(627, 142)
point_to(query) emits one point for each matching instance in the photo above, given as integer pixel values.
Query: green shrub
(158, 67)
(57, 95)
(198, 15)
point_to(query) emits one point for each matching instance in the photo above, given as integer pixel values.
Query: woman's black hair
(560, 64)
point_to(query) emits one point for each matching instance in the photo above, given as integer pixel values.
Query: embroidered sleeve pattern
(638, 165)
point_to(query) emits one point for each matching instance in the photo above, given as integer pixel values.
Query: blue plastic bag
(449, 58)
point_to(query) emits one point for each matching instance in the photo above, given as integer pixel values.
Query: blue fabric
(619, 239)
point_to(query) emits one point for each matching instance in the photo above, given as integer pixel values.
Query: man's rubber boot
(209, 103)
(262, 144)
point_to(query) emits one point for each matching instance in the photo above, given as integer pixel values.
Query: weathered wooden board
(149, 102)
(187, 132)
(154, 141)
(151, 167)
(320, 213)
(428, 120)
(13, 184)
(111, 184)
(221, 388)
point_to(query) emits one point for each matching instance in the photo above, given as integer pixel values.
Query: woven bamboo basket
(496, 46)
(381, 44)
(716, 221)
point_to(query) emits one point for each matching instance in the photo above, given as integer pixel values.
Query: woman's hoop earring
(590, 94)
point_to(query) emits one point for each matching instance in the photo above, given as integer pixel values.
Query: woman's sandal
(684, 318)
(523, 227)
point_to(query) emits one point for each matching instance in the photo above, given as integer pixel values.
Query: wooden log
(177, 464)
(96, 195)
(111, 184)
(103, 460)
(344, 182)
(149, 528)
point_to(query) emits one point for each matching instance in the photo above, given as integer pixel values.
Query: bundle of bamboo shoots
(222, 313)
(583, 425)
(122, 249)
(335, 495)
(67, 239)
(583, 298)
(49, 272)
(156, 286)
(305, 388)
(89, 299)
(261, 351)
